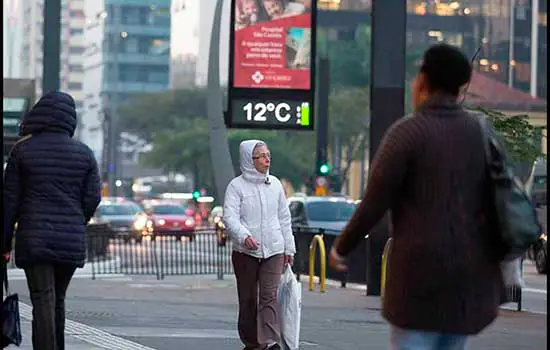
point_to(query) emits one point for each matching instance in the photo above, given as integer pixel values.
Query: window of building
(132, 73)
(77, 68)
(328, 4)
(158, 16)
(158, 77)
(77, 50)
(76, 14)
(159, 46)
(542, 19)
(76, 31)
(130, 14)
(523, 72)
(131, 45)
(74, 86)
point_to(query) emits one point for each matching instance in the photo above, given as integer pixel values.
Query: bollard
(317, 241)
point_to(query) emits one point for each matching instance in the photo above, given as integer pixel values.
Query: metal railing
(209, 253)
(204, 252)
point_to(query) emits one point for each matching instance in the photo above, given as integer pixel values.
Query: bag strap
(5, 278)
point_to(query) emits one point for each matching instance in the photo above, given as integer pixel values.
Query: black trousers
(47, 288)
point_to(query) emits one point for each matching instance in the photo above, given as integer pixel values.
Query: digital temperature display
(272, 114)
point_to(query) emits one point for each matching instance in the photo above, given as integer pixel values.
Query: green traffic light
(324, 169)
(196, 194)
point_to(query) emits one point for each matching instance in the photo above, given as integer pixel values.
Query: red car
(170, 219)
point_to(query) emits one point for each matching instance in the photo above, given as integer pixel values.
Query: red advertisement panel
(272, 44)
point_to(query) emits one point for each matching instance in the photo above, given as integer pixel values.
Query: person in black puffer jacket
(51, 190)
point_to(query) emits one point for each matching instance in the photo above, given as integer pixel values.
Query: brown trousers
(258, 315)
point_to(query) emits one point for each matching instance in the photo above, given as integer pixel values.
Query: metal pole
(219, 144)
(112, 110)
(323, 88)
(11, 42)
(534, 46)
(51, 46)
(512, 43)
(387, 105)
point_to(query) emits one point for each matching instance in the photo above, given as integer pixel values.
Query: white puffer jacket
(259, 208)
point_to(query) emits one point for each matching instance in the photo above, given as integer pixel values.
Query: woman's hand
(251, 243)
(289, 259)
(335, 261)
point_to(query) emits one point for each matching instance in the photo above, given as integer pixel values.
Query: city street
(199, 312)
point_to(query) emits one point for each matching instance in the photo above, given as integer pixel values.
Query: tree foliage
(349, 123)
(522, 139)
(148, 114)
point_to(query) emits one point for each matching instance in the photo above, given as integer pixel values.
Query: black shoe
(274, 347)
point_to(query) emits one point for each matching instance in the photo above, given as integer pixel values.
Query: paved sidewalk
(70, 342)
(199, 313)
(77, 336)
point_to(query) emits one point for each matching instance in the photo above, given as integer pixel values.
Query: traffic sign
(321, 191)
(321, 181)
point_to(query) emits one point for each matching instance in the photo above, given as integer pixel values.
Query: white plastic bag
(289, 297)
(511, 273)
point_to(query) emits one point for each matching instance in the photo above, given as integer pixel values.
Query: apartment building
(72, 46)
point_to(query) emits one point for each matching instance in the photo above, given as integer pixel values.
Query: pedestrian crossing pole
(389, 18)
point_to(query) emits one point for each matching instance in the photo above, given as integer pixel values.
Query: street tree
(349, 125)
(145, 115)
(521, 139)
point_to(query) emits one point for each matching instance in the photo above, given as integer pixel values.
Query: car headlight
(161, 222)
(140, 223)
(189, 222)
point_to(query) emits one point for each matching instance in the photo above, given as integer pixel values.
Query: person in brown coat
(444, 280)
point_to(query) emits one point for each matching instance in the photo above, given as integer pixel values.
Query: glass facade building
(127, 52)
(502, 29)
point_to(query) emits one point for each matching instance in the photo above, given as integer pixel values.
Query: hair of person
(258, 145)
(446, 69)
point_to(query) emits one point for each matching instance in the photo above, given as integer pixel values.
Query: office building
(72, 46)
(12, 38)
(184, 50)
(127, 52)
(502, 28)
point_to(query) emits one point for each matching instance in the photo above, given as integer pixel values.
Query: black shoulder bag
(11, 321)
(516, 217)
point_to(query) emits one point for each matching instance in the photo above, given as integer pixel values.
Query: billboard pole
(389, 25)
(219, 143)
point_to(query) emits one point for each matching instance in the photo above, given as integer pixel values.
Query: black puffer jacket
(51, 187)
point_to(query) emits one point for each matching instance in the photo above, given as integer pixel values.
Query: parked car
(170, 219)
(330, 213)
(126, 218)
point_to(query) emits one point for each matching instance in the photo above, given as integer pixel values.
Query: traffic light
(324, 169)
(196, 194)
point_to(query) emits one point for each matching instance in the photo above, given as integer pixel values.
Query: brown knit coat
(430, 173)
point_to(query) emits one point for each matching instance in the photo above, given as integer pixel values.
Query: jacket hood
(247, 163)
(55, 111)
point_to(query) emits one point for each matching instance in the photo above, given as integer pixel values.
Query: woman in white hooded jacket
(258, 220)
